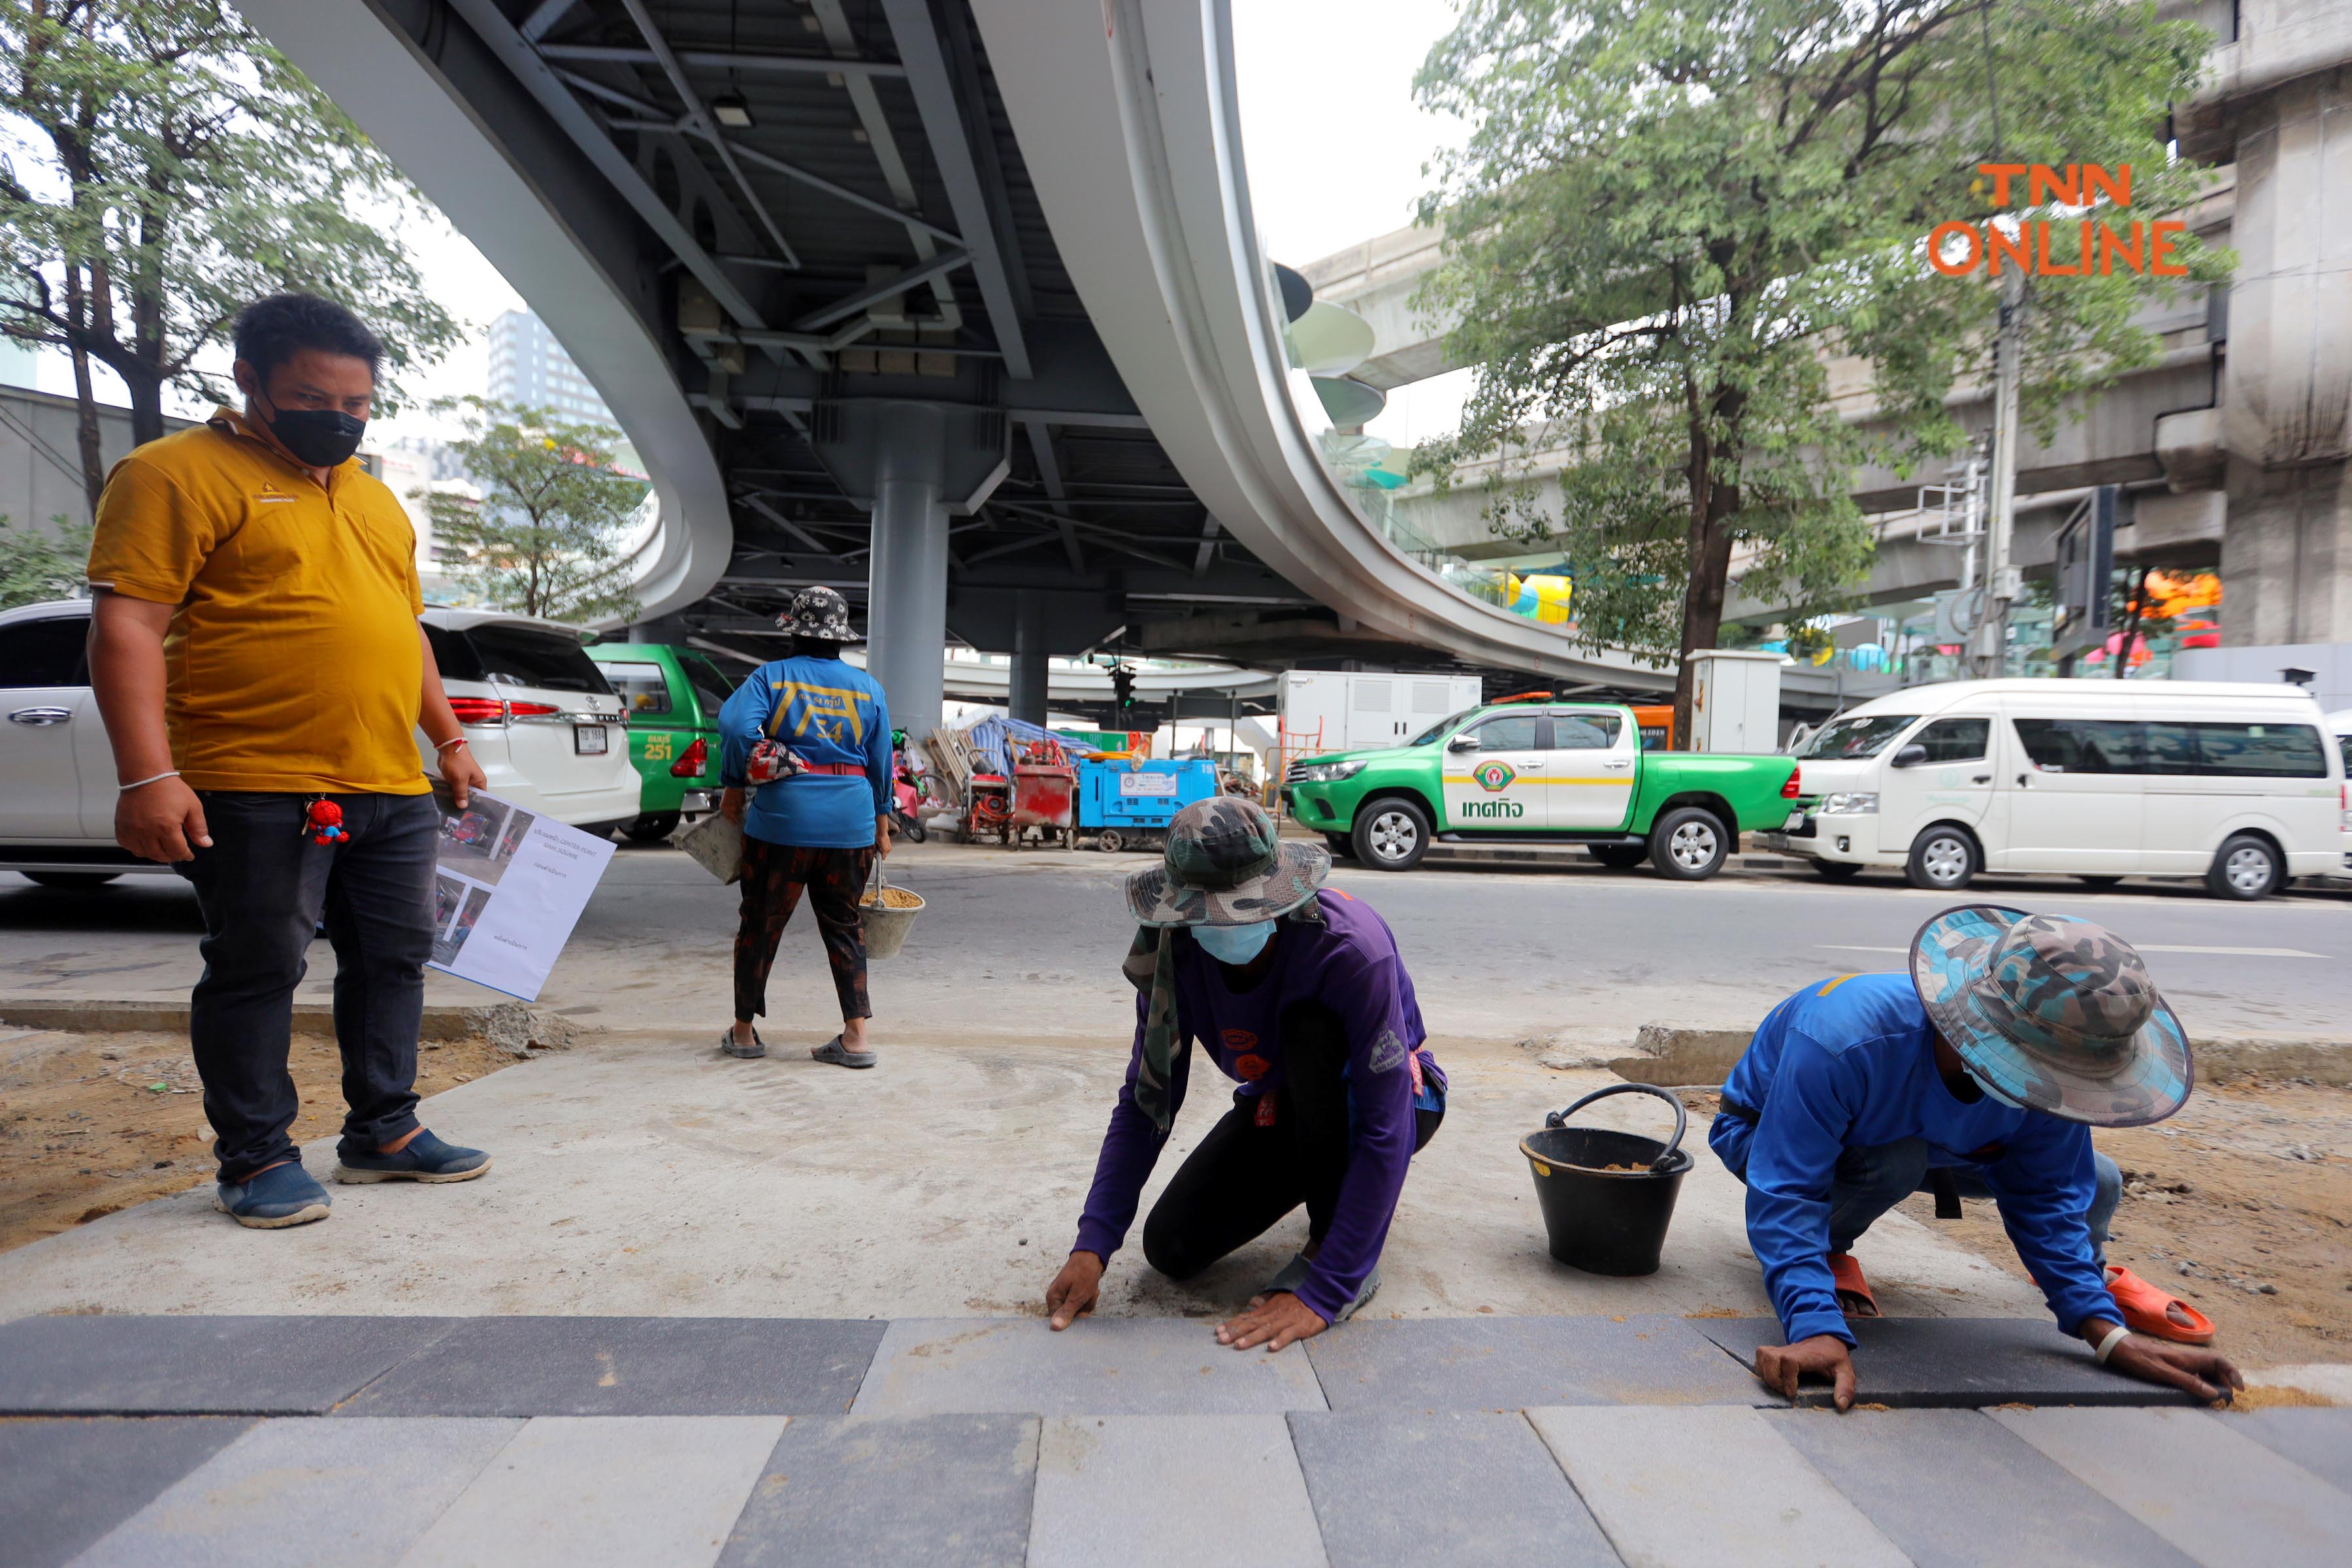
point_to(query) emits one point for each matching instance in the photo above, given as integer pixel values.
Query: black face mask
(318, 438)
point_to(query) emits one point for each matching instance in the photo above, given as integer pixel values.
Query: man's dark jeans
(264, 886)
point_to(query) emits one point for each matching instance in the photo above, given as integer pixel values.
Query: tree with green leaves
(168, 166)
(35, 566)
(544, 536)
(1677, 223)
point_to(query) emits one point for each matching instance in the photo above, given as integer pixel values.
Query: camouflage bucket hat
(1226, 866)
(2053, 1014)
(819, 613)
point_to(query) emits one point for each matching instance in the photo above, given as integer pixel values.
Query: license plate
(588, 740)
(1796, 820)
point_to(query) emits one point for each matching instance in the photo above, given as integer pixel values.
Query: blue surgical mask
(1233, 945)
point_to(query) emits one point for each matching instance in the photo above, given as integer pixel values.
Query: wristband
(158, 778)
(2116, 1336)
(444, 745)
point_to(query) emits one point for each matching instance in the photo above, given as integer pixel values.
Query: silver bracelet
(159, 778)
(2114, 1337)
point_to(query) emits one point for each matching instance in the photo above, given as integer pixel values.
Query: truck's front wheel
(1391, 835)
(1689, 844)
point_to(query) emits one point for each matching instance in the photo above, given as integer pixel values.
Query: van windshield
(1848, 740)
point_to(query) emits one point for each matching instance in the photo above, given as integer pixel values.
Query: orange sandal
(2148, 1310)
(1852, 1289)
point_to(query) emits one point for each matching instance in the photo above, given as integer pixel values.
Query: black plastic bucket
(1599, 1220)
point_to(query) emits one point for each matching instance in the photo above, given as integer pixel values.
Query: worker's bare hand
(1074, 1289)
(730, 805)
(1823, 1355)
(162, 821)
(463, 774)
(1281, 1320)
(2207, 1373)
(882, 838)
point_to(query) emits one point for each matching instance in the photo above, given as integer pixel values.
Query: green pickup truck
(1542, 772)
(672, 696)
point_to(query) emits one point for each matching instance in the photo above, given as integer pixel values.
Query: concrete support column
(1028, 698)
(907, 601)
(2286, 556)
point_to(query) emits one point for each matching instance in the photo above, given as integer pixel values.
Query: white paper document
(508, 888)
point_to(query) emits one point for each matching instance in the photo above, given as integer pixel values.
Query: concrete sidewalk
(648, 1175)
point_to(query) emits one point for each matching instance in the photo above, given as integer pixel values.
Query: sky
(1336, 149)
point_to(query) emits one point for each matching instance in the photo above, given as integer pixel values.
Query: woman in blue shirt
(806, 766)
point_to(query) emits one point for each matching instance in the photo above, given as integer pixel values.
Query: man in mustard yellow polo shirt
(254, 648)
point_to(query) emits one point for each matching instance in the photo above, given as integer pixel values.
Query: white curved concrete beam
(1124, 113)
(374, 73)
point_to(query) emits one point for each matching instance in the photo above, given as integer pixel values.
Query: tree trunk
(86, 430)
(1703, 596)
(1708, 557)
(146, 406)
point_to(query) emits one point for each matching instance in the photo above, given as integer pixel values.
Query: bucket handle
(1682, 1118)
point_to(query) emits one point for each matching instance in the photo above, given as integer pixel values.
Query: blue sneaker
(277, 1198)
(426, 1159)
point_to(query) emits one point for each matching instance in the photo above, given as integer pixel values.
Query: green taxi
(672, 696)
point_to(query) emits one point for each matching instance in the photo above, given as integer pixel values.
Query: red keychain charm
(326, 822)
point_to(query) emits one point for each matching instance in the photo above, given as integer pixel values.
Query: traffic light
(1122, 684)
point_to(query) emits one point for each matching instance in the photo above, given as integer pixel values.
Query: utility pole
(2001, 579)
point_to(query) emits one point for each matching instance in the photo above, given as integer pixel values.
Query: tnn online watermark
(1957, 248)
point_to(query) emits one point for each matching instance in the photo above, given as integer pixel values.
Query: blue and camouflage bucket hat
(1226, 866)
(2053, 1014)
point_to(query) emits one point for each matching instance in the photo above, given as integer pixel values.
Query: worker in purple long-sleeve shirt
(1297, 992)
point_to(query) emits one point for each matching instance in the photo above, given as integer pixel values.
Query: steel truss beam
(701, 117)
(539, 80)
(726, 59)
(943, 127)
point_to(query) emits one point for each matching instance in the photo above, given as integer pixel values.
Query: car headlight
(1328, 772)
(1850, 804)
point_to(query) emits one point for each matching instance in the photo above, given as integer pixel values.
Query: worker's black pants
(1245, 1176)
(264, 885)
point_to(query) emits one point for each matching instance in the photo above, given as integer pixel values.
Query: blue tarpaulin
(992, 738)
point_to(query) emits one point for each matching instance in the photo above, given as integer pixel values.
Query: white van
(2241, 785)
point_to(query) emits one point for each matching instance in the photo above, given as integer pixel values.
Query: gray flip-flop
(1289, 1276)
(758, 1047)
(834, 1051)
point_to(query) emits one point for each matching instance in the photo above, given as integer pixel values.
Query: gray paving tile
(588, 1491)
(2204, 1486)
(1957, 1363)
(302, 1493)
(66, 1482)
(1511, 1364)
(1705, 1486)
(947, 1491)
(631, 1366)
(1141, 1492)
(1100, 1366)
(2318, 1440)
(1464, 1488)
(1954, 1489)
(111, 1365)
